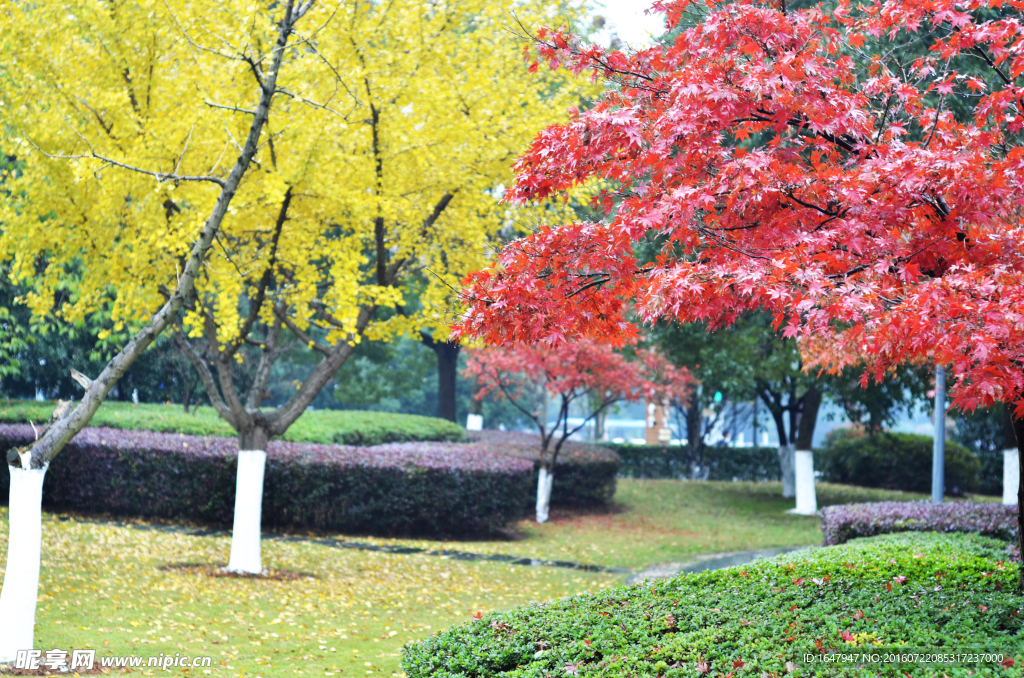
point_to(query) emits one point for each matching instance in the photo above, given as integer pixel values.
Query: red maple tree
(586, 376)
(858, 171)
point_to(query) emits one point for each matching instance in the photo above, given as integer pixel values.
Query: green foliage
(677, 462)
(895, 461)
(316, 426)
(878, 405)
(922, 591)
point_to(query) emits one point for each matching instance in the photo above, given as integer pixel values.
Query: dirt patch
(217, 570)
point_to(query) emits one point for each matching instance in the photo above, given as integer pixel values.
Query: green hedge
(895, 461)
(343, 427)
(925, 592)
(676, 462)
(584, 474)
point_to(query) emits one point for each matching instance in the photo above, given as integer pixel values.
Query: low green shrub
(920, 592)
(894, 461)
(678, 463)
(584, 474)
(342, 427)
(422, 488)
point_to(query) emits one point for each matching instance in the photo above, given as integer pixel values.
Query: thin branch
(231, 108)
(297, 331)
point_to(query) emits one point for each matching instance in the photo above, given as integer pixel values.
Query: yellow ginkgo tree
(382, 192)
(126, 162)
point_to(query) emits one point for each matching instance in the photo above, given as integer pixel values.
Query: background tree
(987, 431)
(585, 376)
(82, 102)
(800, 162)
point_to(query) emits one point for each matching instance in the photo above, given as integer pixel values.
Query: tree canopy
(800, 161)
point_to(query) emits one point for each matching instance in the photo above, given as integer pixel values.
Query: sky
(628, 20)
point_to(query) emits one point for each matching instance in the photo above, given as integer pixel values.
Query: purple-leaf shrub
(848, 521)
(438, 489)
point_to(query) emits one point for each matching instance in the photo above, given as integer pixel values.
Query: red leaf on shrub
(1007, 663)
(888, 586)
(848, 637)
(858, 615)
(799, 582)
(739, 663)
(983, 608)
(899, 579)
(479, 615)
(586, 641)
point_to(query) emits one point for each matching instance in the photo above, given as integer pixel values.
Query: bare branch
(297, 331)
(204, 375)
(229, 108)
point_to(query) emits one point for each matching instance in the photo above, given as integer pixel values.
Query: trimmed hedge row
(341, 427)
(584, 474)
(922, 592)
(438, 489)
(678, 463)
(894, 461)
(848, 521)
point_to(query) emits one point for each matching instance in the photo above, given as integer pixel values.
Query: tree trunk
(808, 418)
(1018, 430)
(447, 378)
(787, 455)
(21, 578)
(544, 480)
(245, 531)
(694, 426)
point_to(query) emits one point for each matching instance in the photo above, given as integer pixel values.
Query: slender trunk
(544, 480)
(694, 417)
(786, 465)
(245, 532)
(1018, 430)
(447, 378)
(939, 438)
(21, 577)
(786, 452)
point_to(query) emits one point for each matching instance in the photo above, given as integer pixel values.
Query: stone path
(717, 561)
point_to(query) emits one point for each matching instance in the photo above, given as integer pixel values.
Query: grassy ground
(315, 426)
(657, 521)
(102, 585)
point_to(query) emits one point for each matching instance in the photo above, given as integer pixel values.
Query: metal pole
(939, 441)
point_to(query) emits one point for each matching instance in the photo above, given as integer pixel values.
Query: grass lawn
(102, 585)
(657, 521)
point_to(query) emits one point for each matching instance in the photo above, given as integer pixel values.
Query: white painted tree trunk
(803, 470)
(1011, 476)
(786, 464)
(544, 480)
(21, 578)
(245, 533)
